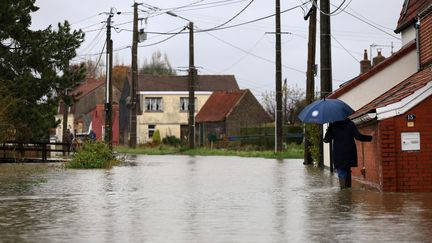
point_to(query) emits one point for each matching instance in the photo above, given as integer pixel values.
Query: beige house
(164, 102)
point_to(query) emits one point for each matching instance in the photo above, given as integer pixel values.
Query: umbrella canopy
(325, 111)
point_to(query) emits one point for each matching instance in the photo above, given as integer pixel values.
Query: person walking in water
(344, 151)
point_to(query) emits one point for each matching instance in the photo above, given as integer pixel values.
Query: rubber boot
(342, 183)
(348, 179)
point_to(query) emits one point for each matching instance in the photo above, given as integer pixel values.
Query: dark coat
(344, 150)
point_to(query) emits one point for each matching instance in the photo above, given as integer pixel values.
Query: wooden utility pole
(278, 113)
(310, 82)
(133, 93)
(325, 40)
(192, 77)
(108, 84)
(326, 66)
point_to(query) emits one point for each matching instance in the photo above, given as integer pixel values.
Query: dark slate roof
(219, 105)
(410, 10)
(180, 83)
(87, 86)
(374, 70)
(398, 92)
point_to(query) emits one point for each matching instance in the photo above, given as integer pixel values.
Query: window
(151, 130)
(153, 104)
(184, 103)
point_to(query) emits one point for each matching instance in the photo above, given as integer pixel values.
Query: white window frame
(184, 104)
(153, 104)
(151, 130)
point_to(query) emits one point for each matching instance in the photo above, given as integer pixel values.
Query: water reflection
(202, 199)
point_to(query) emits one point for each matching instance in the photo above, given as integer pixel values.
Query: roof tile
(180, 83)
(219, 105)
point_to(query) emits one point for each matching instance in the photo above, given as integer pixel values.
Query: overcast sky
(246, 51)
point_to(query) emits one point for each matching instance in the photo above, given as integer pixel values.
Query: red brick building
(98, 122)
(400, 156)
(89, 95)
(226, 112)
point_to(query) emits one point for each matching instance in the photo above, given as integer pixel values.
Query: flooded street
(202, 199)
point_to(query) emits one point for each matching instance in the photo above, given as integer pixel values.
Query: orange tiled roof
(410, 10)
(219, 105)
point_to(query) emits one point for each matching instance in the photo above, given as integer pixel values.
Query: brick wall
(98, 121)
(247, 113)
(426, 40)
(388, 153)
(369, 158)
(387, 166)
(414, 169)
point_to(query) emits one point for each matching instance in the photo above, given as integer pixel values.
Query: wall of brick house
(414, 169)
(98, 122)
(426, 40)
(369, 158)
(387, 166)
(247, 113)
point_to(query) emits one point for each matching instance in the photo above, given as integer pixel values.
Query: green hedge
(93, 155)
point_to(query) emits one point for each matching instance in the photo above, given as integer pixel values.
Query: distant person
(69, 139)
(92, 135)
(344, 151)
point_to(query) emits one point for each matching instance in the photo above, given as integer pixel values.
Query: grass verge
(292, 151)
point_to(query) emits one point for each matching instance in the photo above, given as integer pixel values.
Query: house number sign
(410, 117)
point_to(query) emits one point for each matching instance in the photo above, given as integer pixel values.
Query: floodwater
(202, 199)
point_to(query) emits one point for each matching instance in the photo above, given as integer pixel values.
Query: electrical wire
(334, 11)
(215, 4)
(375, 27)
(375, 23)
(82, 20)
(244, 56)
(251, 21)
(166, 39)
(93, 41)
(346, 50)
(100, 56)
(251, 54)
(235, 16)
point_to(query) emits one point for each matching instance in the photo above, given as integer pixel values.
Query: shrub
(156, 137)
(171, 140)
(93, 155)
(313, 131)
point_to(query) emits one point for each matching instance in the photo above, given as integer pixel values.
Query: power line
(211, 5)
(82, 20)
(251, 21)
(375, 23)
(366, 22)
(250, 53)
(235, 16)
(166, 39)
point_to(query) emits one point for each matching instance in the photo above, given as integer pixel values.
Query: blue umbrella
(325, 111)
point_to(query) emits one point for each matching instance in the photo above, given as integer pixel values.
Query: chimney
(379, 58)
(365, 64)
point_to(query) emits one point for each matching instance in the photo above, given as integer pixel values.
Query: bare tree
(158, 65)
(293, 102)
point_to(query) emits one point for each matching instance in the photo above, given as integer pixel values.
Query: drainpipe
(417, 29)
